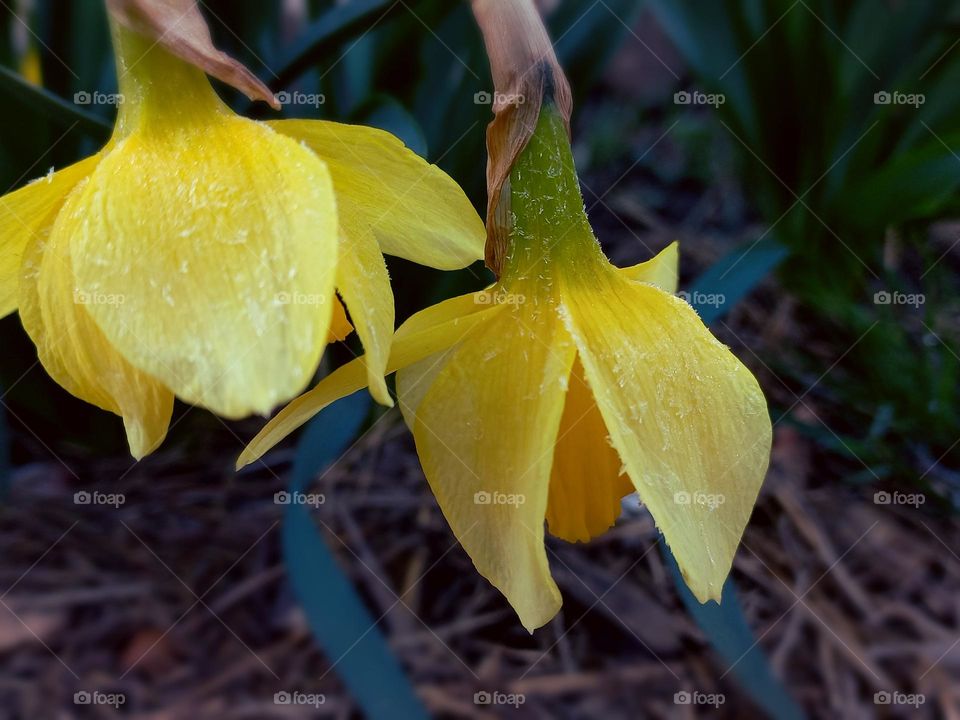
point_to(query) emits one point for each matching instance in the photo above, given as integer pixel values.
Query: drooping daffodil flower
(200, 254)
(562, 388)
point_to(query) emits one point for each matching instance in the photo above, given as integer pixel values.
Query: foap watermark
(487, 697)
(96, 697)
(711, 500)
(501, 297)
(298, 298)
(694, 697)
(314, 700)
(314, 100)
(695, 97)
(703, 299)
(81, 297)
(498, 98)
(298, 498)
(884, 297)
(98, 98)
(885, 697)
(882, 497)
(895, 97)
(84, 497)
(483, 497)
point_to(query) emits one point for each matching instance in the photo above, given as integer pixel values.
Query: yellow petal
(340, 327)
(26, 213)
(408, 348)
(586, 483)
(443, 312)
(72, 348)
(221, 236)
(687, 418)
(414, 380)
(414, 209)
(662, 270)
(364, 284)
(485, 432)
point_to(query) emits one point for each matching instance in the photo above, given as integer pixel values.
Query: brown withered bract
(179, 26)
(526, 73)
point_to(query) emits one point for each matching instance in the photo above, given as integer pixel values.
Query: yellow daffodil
(564, 387)
(199, 254)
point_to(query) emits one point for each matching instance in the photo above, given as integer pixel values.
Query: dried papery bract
(525, 74)
(179, 26)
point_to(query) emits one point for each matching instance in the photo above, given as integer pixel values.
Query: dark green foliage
(833, 171)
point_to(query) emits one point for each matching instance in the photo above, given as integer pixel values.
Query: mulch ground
(178, 598)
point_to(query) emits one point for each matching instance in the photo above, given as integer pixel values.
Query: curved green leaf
(343, 627)
(725, 626)
(51, 107)
(332, 28)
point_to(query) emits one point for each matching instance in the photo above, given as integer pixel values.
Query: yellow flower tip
(662, 271)
(245, 458)
(532, 593)
(140, 442)
(364, 284)
(380, 392)
(704, 590)
(541, 613)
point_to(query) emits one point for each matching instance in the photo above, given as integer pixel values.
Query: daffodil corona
(199, 254)
(564, 387)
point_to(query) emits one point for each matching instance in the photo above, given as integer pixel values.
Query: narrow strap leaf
(577, 30)
(333, 27)
(337, 616)
(726, 627)
(50, 106)
(732, 278)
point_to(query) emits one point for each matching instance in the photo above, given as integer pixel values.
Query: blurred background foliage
(850, 186)
(859, 193)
